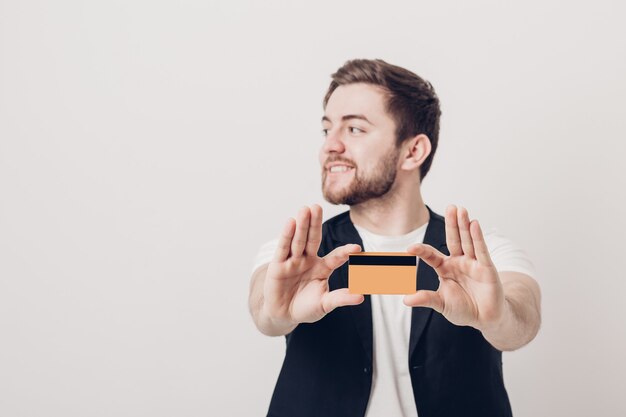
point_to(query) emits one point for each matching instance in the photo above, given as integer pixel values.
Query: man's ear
(415, 151)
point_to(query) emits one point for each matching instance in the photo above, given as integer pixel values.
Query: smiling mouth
(337, 169)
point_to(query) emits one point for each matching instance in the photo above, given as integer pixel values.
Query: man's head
(374, 111)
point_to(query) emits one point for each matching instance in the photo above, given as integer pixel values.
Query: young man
(434, 353)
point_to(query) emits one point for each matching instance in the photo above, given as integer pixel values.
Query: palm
(469, 289)
(299, 285)
(306, 305)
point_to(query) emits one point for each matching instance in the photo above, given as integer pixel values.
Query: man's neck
(396, 213)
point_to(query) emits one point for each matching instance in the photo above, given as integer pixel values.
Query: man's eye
(324, 132)
(355, 130)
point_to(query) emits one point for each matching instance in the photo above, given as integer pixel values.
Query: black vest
(327, 370)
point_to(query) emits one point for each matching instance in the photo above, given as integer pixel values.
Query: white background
(148, 148)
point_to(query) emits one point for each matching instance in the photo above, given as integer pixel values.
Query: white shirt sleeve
(506, 255)
(265, 254)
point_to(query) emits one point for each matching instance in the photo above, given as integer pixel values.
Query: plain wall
(148, 149)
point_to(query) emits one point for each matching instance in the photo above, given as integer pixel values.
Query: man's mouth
(339, 169)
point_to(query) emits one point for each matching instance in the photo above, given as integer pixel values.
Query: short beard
(363, 189)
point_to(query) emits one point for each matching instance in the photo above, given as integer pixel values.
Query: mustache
(339, 159)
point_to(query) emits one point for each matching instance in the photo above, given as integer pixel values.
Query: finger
(453, 239)
(466, 238)
(425, 298)
(315, 231)
(340, 298)
(284, 242)
(302, 229)
(482, 251)
(339, 256)
(429, 255)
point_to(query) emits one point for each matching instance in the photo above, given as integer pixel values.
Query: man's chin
(332, 201)
(339, 192)
(337, 198)
(334, 198)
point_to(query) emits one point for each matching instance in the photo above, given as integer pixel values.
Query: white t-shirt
(392, 393)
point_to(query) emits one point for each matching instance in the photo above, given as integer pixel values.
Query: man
(434, 353)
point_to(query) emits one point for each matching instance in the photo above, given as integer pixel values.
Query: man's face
(359, 158)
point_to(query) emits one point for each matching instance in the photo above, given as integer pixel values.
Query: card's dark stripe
(384, 260)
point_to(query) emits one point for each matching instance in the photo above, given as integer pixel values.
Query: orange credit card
(382, 273)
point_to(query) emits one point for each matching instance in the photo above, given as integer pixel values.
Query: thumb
(339, 298)
(339, 256)
(425, 298)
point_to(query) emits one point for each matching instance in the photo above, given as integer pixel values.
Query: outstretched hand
(470, 292)
(296, 285)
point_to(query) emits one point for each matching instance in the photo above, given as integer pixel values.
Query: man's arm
(521, 318)
(504, 306)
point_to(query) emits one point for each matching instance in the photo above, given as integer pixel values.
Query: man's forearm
(262, 320)
(522, 313)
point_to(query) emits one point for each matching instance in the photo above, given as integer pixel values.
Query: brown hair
(411, 100)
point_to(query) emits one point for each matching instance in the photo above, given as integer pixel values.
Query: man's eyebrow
(349, 117)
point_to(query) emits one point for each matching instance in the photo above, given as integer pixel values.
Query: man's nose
(333, 142)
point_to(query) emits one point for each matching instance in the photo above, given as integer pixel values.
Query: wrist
(498, 332)
(500, 321)
(272, 325)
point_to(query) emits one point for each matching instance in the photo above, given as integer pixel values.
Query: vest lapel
(361, 313)
(427, 277)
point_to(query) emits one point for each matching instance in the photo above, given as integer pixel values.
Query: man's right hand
(296, 284)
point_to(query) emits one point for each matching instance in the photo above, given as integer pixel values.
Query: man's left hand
(470, 292)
